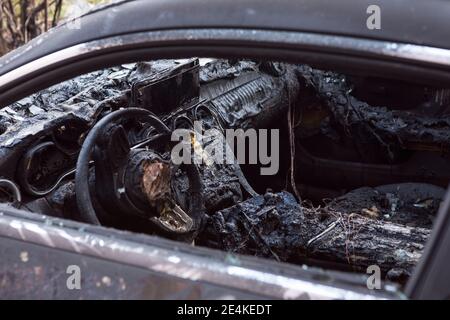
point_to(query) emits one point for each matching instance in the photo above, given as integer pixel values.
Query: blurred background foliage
(22, 20)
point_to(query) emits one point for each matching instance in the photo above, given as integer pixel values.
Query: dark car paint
(406, 21)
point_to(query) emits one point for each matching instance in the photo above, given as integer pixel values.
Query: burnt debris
(274, 226)
(367, 165)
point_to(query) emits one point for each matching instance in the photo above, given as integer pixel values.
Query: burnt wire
(291, 119)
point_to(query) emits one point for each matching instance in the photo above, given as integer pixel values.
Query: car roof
(404, 21)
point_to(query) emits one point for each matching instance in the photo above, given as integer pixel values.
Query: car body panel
(406, 21)
(179, 269)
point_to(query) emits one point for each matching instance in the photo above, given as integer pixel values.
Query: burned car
(333, 170)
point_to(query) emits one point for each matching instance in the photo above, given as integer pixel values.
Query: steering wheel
(115, 162)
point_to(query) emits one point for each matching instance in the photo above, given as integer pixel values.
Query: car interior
(326, 168)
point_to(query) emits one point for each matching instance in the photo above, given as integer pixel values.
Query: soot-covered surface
(385, 225)
(275, 226)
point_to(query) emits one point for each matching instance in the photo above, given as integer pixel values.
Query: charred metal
(363, 160)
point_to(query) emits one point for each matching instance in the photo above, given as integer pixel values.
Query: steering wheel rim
(83, 196)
